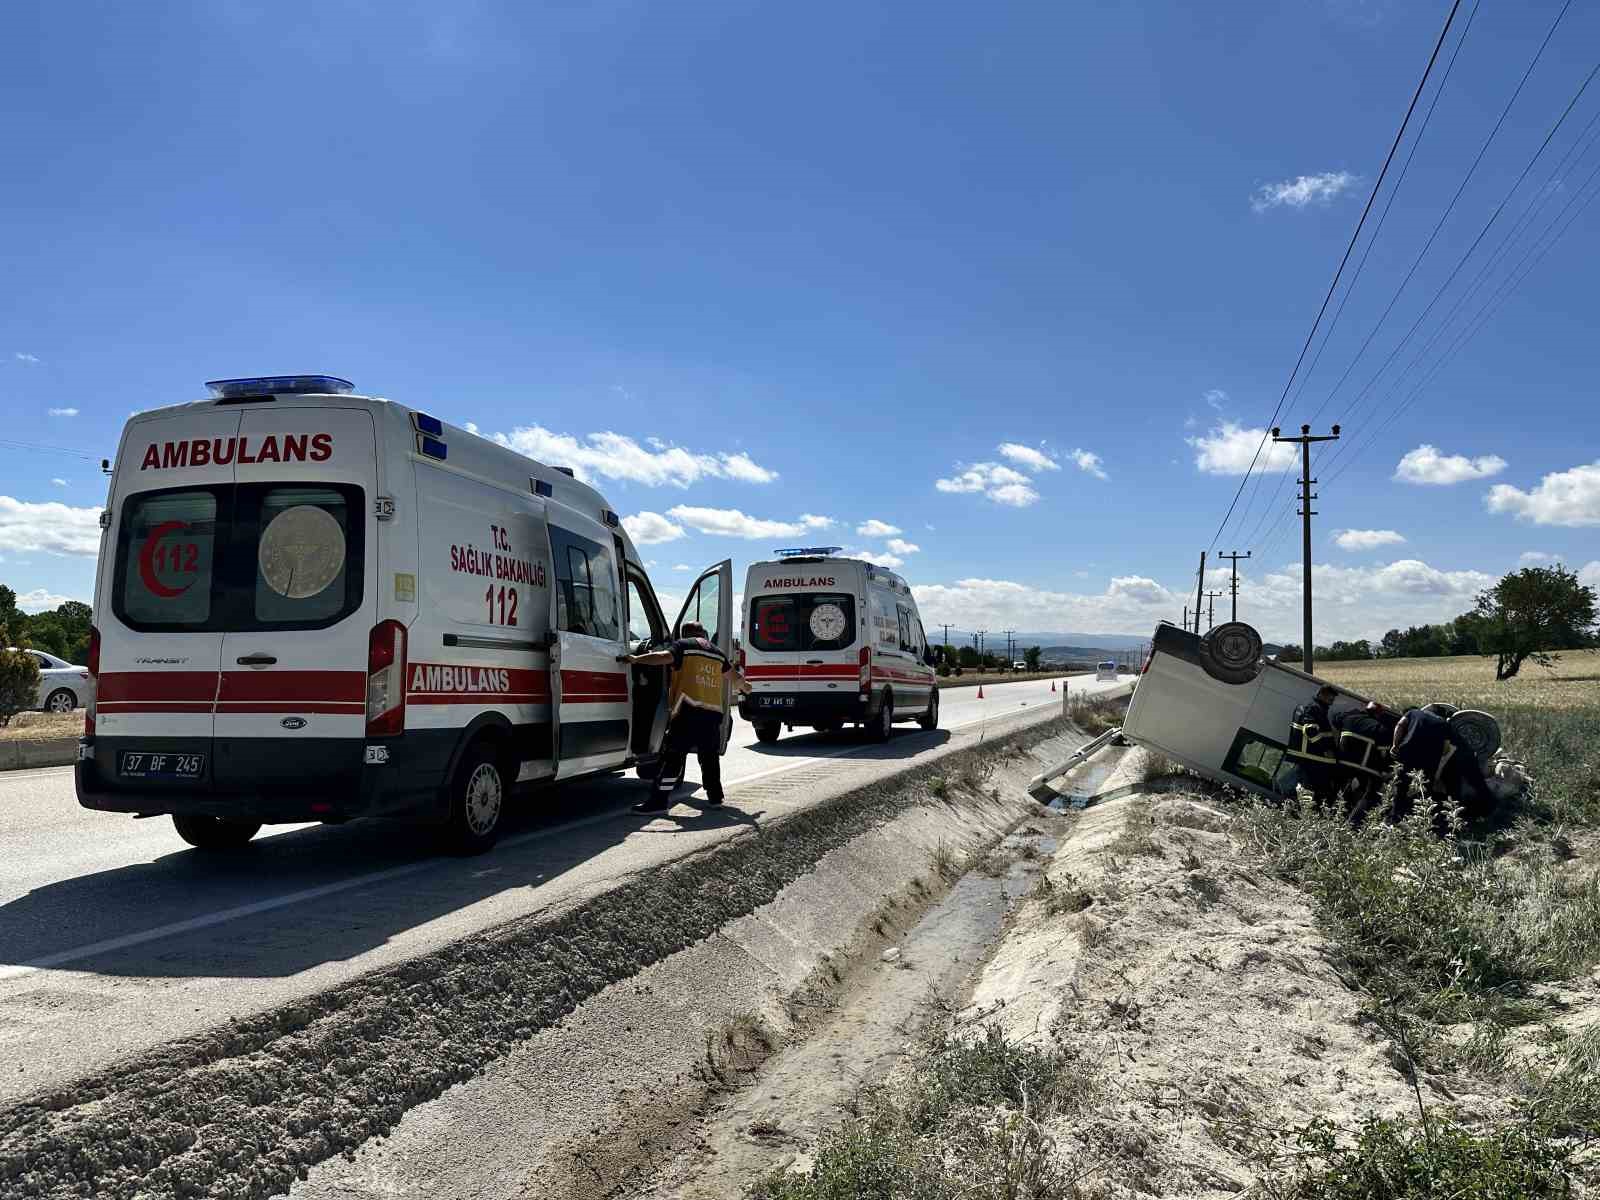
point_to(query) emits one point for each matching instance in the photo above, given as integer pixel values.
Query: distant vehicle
(1104, 671)
(316, 606)
(1019, 665)
(830, 642)
(63, 686)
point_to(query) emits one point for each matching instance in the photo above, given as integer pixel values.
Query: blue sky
(812, 260)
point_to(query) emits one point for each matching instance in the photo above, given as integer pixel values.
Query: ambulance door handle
(813, 662)
(256, 660)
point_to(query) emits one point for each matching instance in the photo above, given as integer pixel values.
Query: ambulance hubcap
(484, 796)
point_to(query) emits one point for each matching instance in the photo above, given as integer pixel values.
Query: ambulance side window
(644, 622)
(586, 583)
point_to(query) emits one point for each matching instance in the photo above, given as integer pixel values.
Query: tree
(969, 656)
(1031, 657)
(1531, 613)
(19, 677)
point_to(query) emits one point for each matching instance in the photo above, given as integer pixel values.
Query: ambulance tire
(1231, 653)
(479, 795)
(767, 731)
(881, 728)
(930, 719)
(214, 833)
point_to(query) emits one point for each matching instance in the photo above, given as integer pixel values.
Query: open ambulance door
(590, 692)
(711, 603)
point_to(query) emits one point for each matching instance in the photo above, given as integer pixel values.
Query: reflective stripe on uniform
(1358, 752)
(1310, 736)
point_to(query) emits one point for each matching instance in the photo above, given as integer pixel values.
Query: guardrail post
(1066, 708)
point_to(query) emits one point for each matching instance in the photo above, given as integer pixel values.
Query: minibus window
(816, 622)
(586, 583)
(166, 548)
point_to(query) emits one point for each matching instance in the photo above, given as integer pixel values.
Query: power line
(1338, 274)
(1405, 169)
(36, 447)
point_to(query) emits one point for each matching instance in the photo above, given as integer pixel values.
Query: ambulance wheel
(882, 726)
(214, 833)
(767, 731)
(930, 719)
(478, 795)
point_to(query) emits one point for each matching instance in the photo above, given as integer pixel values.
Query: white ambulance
(833, 641)
(314, 606)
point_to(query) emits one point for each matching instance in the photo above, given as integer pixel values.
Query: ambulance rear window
(817, 621)
(165, 551)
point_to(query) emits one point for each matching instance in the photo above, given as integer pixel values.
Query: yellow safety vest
(698, 681)
(1307, 741)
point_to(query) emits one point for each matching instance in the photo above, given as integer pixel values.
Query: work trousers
(698, 730)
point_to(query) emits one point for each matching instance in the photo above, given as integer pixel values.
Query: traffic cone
(980, 691)
(1052, 687)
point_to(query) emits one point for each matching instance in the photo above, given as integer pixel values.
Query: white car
(62, 686)
(1105, 671)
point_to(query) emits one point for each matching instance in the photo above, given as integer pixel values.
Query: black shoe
(713, 801)
(652, 805)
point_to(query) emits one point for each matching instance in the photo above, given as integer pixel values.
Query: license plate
(145, 764)
(774, 701)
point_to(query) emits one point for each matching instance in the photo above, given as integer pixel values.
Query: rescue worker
(1424, 741)
(1364, 736)
(695, 710)
(1312, 746)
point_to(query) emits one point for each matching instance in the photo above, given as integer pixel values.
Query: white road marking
(193, 924)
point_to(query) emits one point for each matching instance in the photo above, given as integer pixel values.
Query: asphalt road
(115, 935)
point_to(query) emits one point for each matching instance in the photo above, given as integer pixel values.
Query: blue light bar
(281, 385)
(427, 424)
(431, 447)
(798, 550)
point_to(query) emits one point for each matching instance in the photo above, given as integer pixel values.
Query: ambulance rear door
(302, 581)
(160, 604)
(710, 602)
(592, 693)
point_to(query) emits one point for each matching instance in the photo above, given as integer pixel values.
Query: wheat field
(1469, 682)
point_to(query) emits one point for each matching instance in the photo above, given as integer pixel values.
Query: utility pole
(1211, 609)
(1306, 513)
(1011, 650)
(946, 633)
(1199, 590)
(1234, 559)
(1186, 618)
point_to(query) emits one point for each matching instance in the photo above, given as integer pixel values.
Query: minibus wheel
(930, 719)
(214, 833)
(767, 731)
(478, 795)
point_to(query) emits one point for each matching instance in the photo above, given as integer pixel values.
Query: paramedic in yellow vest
(695, 709)
(1312, 746)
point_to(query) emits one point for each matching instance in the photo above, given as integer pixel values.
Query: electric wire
(1338, 274)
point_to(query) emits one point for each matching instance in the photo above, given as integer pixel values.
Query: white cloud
(1366, 539)
(27, 358)
(63, 412)
(682, 567)
(892, 561)
(730, 522)
(470, 426)
(994, 480)
(1229, 448)
(1027, 456)
(1302, 190)
(1216, 398)
(1427, 465)
(1589, 574)
(901, 546)
(1139, 589)
(617, 456)
(876, 528)
(1532, 558)
(59, 482)
(39, 600)
(651, 528)
(1562, 498)
(1088, 461)
(52, 527)
(812, 521)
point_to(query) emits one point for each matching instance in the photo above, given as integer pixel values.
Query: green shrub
(1401, 1160)
(19, 680)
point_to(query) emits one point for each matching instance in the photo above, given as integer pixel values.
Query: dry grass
(38, 726)
(1468, 681)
